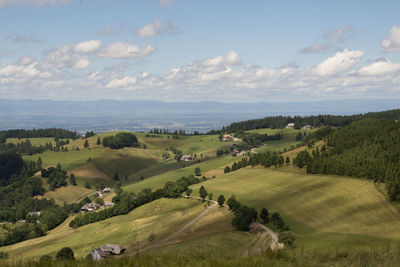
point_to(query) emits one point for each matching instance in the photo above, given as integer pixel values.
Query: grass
(34, 141)
(288, 139)
(321, 210)
(213, 232)
(68, 160)
(158, 181)
(69, 194)
(160, 217)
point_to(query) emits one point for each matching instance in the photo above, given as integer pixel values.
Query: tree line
(35, 133)
(278, 122)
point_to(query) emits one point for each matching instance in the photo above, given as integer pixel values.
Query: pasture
(68, 194)
(321, 210)
(161, 218)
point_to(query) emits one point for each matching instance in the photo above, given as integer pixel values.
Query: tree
(286, 238)
(98, 141)
(72, 179)
(221, 200)
(227, 169)
(264, 215)
(178, 155)
(39, 163)
(197, 171)
(116, 176)
(99, 201)
(87, 185)
(244, 216)
(188, 191)
(203, 193)
(86, 144)
(299, 137)
(65, 253)
(287, 161)
(210, 196)
(233, 204)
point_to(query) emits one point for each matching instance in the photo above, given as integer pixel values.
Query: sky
(187, 50)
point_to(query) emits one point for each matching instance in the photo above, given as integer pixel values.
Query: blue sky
(230, 51)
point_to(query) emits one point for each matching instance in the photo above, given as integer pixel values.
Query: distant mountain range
(141, 115)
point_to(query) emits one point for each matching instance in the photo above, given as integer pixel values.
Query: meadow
(68, 194)
(161, 218)
(321, 210)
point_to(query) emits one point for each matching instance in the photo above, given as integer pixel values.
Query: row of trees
(35, 133)
(121, 140)
(266, 159)
(278, 122)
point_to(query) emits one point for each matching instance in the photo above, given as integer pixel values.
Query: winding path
(274, 243)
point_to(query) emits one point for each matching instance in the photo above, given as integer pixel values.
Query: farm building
(187, 158)
(104, 251)
(108, 204)
(90, 207)
(33, 213)
(106, 190)
(290, 125)
(307, 127)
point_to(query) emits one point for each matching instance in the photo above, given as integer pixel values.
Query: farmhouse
(106, 190)
(104, 251)
(226, 137)
(97, 195)
(307, 127)
(108, 204)
(33, 213)
(187, 158)
(90, 207)
(290, 125)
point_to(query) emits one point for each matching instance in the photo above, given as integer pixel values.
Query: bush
(287, 239)
(65, 253)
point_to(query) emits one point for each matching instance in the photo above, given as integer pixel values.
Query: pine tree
(98, 141)
(116, 176)
(86, 144)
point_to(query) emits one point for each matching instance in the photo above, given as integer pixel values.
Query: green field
(321, 210)
(161, 217)
(211, 233)
(158, 181)
(69, 194)
(288, 139)
(34, 141)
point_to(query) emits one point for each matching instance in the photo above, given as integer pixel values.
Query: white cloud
(4, 3)
(380, 68)
(124, 82)
(340, 35)
(342, 61)
(126, 50)
(167, 2)
(26, 60)
(158, 27)
(392, 41)
(331, 40)
(87, 46)
(230, 59)
(63, 57)
(82, 63)
(315, 48)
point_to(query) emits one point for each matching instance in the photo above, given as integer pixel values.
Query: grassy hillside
(211, 233)
(321, 210)
(160, 217)
(158, 181)
(34, 141)
(288, 139)
(69, 194)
